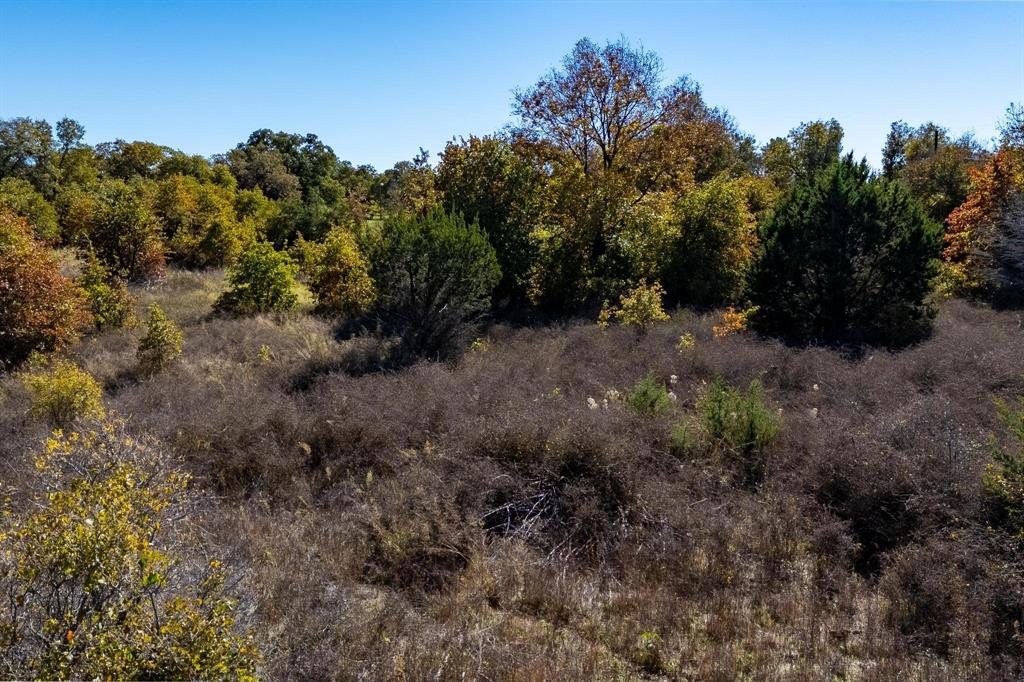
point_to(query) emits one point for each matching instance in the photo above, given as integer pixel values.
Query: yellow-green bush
(715, 245)
(262, 280)
(20, 196)
(62, 393)
(640, 308)
(338, 274)
(161, 344)
(91, 590)
(109, 299)
(200, 221)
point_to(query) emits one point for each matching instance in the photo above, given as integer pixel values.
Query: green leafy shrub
(161, 344)
(489, 180)
(434, 275)
(62, 393)
(739, 420)
(124, 230)
(93, 591)
(1003, 481)
(109, 300)
(682, 438)
(40, 309)
(847, 259)
(649, 396)
(339, 275)
(21, 197)
(739, 423)
(262, 280)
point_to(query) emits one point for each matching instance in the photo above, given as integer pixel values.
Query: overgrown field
(526, 514)
(616, 392)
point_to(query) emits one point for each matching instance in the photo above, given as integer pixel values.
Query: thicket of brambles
(615, 392)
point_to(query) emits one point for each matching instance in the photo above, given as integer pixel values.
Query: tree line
(611, 179)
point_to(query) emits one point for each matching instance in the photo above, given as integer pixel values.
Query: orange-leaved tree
(972, 226)
(40, 309)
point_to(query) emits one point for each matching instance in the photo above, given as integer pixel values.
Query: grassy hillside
(489, 520)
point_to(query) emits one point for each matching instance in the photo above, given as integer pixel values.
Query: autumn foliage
(640, 307)
(971, 232)
(40, 309)
(95, 589)
(381, 395)
(338, 275)
(62, 393)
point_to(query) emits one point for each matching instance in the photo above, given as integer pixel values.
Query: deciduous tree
(933, 165)
(715, 243)
(26, 151)
(40, 309)
(486, 180)
(807, 149)
(971, 230)
(20, 196)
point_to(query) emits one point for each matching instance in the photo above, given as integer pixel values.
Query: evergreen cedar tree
(847, 259)
(434, 275)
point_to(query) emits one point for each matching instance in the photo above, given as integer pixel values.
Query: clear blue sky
(377, 81)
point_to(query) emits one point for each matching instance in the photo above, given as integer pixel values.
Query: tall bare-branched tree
(605, 104)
